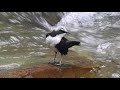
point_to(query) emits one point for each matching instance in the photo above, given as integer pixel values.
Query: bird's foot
(59, 63)
(56, 63)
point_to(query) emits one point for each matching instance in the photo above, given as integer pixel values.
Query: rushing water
(22, 35)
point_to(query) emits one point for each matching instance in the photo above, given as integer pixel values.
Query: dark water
(22, 36)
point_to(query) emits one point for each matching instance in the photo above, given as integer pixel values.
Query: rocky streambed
(75, 66)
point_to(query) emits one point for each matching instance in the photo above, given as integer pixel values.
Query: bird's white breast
(52, 41)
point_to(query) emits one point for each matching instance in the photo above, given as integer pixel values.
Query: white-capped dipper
(59, 43)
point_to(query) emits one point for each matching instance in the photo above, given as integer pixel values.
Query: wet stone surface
(74, 66)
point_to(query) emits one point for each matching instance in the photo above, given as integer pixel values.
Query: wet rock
(51, 71)
(75, 66)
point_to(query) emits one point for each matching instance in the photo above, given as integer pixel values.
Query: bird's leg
(60, 62)
(55, 57)
(54, 62)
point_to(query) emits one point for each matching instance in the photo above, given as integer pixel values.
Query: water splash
(10, 66)
(93, 29)
(97, 30)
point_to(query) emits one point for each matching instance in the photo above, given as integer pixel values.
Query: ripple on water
(10, 66)
(37, 53)
(115, 75)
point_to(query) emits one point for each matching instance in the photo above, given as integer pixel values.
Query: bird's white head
(63, 28)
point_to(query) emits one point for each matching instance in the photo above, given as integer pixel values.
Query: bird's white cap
(60, 28)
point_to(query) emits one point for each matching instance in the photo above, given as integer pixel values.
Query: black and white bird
(59, 43)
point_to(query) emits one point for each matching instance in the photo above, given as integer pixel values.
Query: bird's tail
(72, 43)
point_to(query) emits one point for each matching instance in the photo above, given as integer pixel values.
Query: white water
(99, 32)
(22, 37)
(10, 66)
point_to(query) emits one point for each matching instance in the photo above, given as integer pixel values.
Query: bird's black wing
(72, 43)
(67, 43)
(64, 39)
(62, 48)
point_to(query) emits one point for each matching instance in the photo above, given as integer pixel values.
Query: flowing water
(22, 37)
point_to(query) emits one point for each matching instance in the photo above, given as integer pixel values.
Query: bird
(59, 44)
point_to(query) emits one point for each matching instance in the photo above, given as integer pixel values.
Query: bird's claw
(56, 63)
